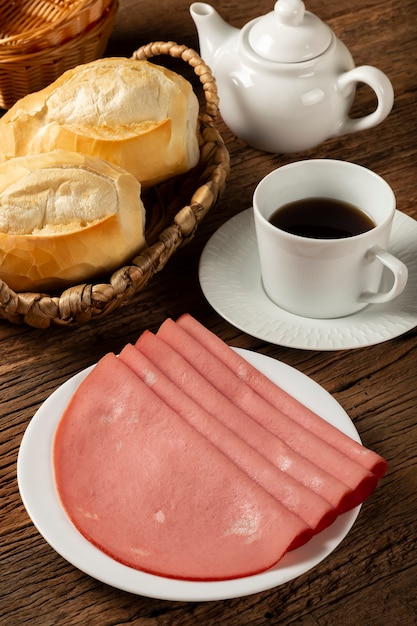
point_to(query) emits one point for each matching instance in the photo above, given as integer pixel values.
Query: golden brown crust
(55, 251)
(138, 115)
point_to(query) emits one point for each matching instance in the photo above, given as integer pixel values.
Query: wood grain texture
(371, 578)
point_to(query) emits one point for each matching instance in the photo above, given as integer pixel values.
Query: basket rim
(18, 76)
(55, 35)
(47, 54)
(65, 12)
(80, 304)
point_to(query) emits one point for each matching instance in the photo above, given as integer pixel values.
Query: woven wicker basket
(26, 66)
(38, 24)
(174, 210)
(30, 19)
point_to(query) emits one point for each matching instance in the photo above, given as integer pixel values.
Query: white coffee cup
(326, 278)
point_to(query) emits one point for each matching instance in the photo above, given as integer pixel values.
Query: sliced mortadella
(330, 459)
(282, 400)
(311, 508)
(195, 384)
(151, 492)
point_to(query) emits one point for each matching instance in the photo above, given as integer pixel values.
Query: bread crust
(62, 249)
(135, 114)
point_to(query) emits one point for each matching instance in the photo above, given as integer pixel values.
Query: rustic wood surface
(371, 578)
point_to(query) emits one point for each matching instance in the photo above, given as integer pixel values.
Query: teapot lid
(289, 34)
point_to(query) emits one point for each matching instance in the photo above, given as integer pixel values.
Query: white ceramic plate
(230, 279)
(37, 489)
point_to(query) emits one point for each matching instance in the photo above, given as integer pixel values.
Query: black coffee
(322, 218)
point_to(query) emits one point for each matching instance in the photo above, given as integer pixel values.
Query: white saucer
(230, 279)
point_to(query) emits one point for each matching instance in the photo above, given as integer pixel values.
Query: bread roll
(133, 113)
(65, 218)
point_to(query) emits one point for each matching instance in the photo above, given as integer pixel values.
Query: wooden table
(371, 578)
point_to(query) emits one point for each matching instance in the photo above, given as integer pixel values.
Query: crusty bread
(138, 115)
(65, 217)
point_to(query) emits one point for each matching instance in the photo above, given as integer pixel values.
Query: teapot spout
(214, 34)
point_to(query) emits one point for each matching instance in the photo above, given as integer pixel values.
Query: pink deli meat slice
(330, 459)
(194, 384)
(151, 492)
(311, 508)
(281, 399)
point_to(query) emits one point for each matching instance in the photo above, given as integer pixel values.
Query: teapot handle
(383, 89)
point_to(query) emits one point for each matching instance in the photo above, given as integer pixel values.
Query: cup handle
(397, 268)
(381, 85)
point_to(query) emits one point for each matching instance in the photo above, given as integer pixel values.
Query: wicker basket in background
(40, 39)
(174, 210)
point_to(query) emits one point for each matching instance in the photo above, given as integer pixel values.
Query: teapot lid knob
(289, 33)
(290, 12)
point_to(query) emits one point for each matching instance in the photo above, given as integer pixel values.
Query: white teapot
(286, 83)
